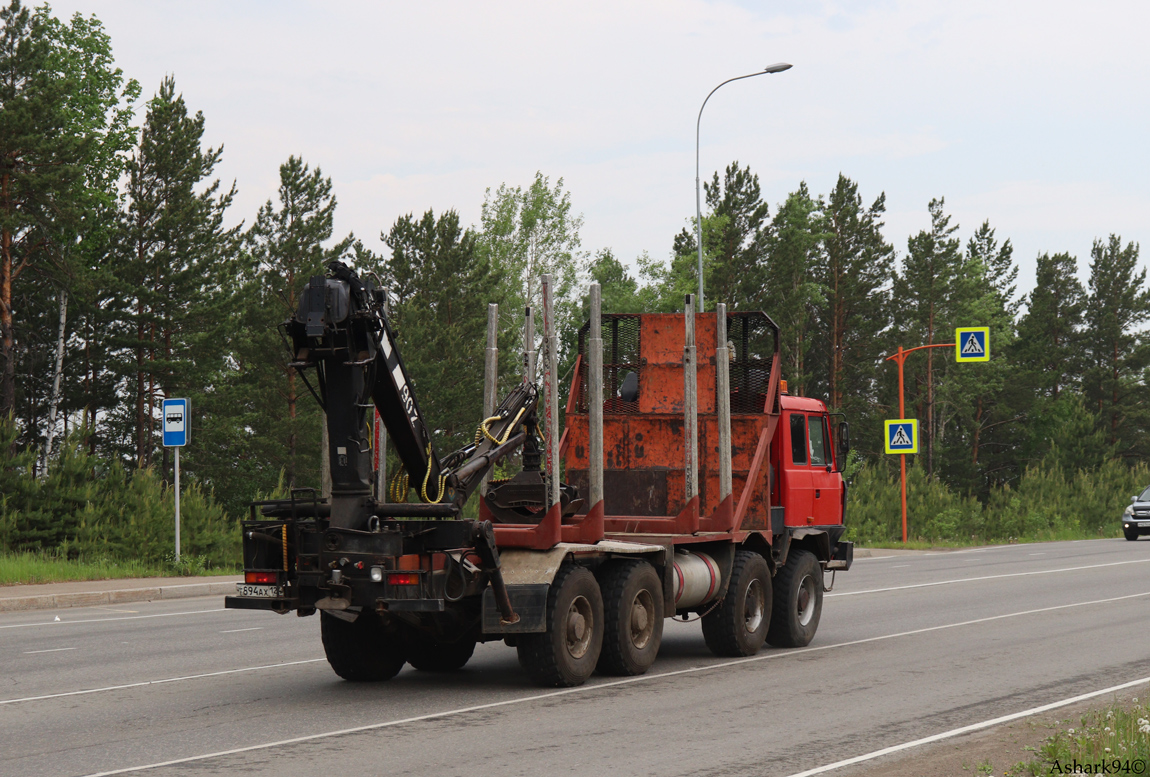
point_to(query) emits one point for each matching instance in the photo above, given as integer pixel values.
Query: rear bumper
(843, 556)
(260, 603)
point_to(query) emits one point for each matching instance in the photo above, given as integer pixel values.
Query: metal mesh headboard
(621, 355)
(755, 340)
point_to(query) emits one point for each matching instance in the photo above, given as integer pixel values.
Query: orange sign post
(900, 358)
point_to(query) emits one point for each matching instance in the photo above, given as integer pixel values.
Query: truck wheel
(430, 655)
(362, 650)
(738, 626)
(798, 601)
(633, 618)
(566, 654)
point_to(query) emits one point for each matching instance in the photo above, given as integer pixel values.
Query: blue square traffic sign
(902, 435)
(175, 423)
(972, 344)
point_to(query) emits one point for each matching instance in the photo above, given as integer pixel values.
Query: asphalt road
(909, 646)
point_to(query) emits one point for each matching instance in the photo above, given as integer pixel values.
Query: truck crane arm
(342, 330)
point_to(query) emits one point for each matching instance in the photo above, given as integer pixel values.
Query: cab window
(798, 438)
(818, 442)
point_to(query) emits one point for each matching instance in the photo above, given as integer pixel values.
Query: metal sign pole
(177, 505)
(176, 423)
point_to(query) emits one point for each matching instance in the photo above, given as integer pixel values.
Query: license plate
(264, 591)
(1144, 523)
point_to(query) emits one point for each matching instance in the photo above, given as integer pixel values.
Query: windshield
(1145, 496)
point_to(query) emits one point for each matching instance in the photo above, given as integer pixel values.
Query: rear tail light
(261, 578)
(403, 578)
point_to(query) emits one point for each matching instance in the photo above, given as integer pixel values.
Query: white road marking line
(113, 620)
(160, 682)
(1036, 554)
(967, 729)
(53, 650)
(987, 577)
(596, 687)
(900, 566)
(873, 558)
(235, 631)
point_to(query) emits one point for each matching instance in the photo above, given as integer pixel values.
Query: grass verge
(32, 568)
(1112, 740)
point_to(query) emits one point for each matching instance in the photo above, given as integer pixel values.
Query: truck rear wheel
(798, 601)
(738, 626)
(633, 618)
(429, 655)
(362, 650)
(567, 653)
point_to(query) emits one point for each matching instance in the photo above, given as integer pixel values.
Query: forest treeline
(126, 276)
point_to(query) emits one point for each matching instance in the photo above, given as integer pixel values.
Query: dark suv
(1136, 517)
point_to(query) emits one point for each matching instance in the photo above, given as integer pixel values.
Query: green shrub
(86, 508)
(1047, 503)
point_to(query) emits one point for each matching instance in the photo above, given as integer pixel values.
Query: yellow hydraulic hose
(427, 476)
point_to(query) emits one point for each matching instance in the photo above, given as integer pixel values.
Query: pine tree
(287, 245)
(853, 271)
(1117, 351)
(440, 285)
(1049, 349)
(791, 291)
(979, 406)
(174, 244)
(923, 297)
(62, 128)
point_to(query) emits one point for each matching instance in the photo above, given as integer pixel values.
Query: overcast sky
(1032, 115)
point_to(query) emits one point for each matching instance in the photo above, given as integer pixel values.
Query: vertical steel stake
(528, 345)
(490, 375)
(723, 387)
(595, 400)
(551, 391)
(690, 404)
(379, 443)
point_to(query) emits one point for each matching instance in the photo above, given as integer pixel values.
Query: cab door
(826, 483)
(798, 488)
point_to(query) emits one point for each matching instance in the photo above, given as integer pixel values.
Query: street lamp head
(778, 67)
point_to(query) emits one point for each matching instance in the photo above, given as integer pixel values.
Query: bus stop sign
(175, 422)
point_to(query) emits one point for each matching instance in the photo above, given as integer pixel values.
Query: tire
(361, 651)
(632, 618)
(738, 626)
(798, 601)
(566, 655)
(1131, 534)
(429, 655)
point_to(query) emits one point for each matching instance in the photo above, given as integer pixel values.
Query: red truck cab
(809, 483)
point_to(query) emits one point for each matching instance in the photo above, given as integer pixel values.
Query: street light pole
(776, 68)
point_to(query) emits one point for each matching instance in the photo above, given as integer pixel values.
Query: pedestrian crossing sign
(902, 435)
(972, 344)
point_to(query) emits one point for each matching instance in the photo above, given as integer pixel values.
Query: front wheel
(738, 626)
(798, 601)
(362, 650)
(566, 654)
(1131, 534)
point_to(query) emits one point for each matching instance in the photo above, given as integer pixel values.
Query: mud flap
(530, 604)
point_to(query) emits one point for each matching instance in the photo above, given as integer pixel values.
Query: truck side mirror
(844, 444)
